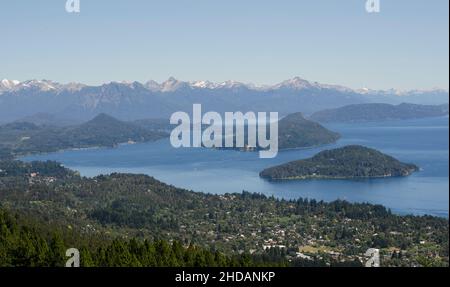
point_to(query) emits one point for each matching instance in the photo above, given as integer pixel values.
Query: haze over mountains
(132, 101)
(379, 112)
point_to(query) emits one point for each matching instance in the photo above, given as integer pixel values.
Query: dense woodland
(131, 213)
(102, 131)
(31, 243)
(346, 162)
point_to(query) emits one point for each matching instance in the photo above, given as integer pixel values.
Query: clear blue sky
(406, 46)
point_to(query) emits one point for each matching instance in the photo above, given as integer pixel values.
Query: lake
(423, 142)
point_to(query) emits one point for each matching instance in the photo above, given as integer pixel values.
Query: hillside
(102, 131)
(343, 163)
(47, 119)
(139, 208)
(29, 242)
(379, 112)
(105, 130)
(297, 132)
(294, 131)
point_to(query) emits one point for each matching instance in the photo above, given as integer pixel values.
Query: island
(20, 138)
(349, 162)
(295, 131)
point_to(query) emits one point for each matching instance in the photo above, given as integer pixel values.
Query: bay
(423, 142)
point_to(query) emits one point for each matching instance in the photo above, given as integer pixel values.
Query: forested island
(136, 220)
(297, 132)
(349, 162)
(19, 138)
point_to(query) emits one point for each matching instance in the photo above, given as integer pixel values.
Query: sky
(405, 46)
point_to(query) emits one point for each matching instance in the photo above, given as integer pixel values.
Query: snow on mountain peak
(153, 86)
(296, 83)
(8, 84)
(43, 85)
(232, 85)
(203, 85)
(172, 84)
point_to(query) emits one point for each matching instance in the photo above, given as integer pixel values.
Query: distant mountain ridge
(133, 100)
(380, 112)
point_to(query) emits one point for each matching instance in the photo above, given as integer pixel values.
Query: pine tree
(57, 256)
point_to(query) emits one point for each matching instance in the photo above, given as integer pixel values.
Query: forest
(20, 138)
(348, 162)
(29, 243)
(127, 207)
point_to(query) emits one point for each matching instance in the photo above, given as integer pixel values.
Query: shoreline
(300, 178)
(27, 154)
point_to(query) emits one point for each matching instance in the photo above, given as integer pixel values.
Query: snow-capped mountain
(172, 85)
(39, 85)
(153, 86)
(234, 85)
(204, 85)
(8, 84)
(134, 100)
(43, 85)
(295, 84)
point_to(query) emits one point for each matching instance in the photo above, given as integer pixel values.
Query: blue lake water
(423, 142)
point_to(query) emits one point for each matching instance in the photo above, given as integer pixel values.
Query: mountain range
(133, 100)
